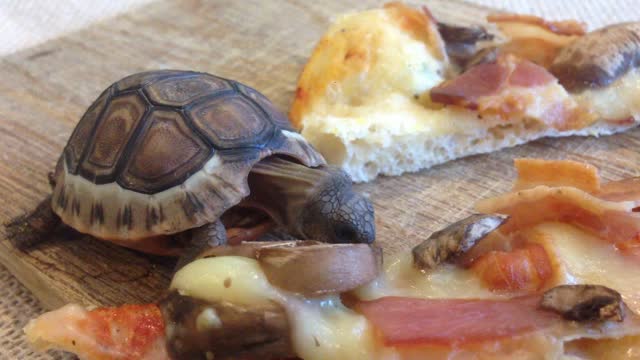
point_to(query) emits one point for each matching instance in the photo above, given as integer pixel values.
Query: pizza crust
(371, 114)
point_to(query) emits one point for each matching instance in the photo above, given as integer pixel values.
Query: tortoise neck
(282, 188)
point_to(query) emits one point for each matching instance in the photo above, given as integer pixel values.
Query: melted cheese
(578, 258)
(618, 101)
(626, 348)
(532, 102)
(324, 329)
(582, 258)
(401, 278)
(205, 279)
(321, 328)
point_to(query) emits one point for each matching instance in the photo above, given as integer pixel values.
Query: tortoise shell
(164, 151)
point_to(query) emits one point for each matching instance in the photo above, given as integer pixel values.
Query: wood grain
(46, 89)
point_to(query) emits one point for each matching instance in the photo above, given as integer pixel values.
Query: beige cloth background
(26, 23)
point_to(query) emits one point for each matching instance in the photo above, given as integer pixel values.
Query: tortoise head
(335, 213)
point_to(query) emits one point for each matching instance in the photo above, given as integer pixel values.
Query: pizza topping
(308, 267)
(584, 302)
(489, 79)
(196, 328)
(448, 322)
(533, 38)
(126, 332)
(534, 172)
(512, 90)
(454, 240)
(566, 27)
(464, 90)
(598, 58)
(612, 221)
(487, 55)
(461, 41)
(617, 103)
(524, 269)
(555, 173)
(321, 269)
(251, 249)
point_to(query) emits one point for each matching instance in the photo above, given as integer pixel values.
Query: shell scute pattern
(148, 110)
(184, 90)
(232, 122)
(164, 151)
(138, 80)
(82, 133)
(117, 126)
(276, 115)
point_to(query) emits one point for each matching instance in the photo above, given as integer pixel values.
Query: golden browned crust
(336, 56)
(419, 24)
(534, 38)
(349, 50)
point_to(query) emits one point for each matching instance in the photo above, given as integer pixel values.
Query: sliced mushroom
(309, 267)
(598, 58)
(320, 269)
(486, 55)
(250, 248)
(454, 240)
(584, 302)
(197, 329)
(461, 41)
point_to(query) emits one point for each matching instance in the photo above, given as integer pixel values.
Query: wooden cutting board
(45, 90)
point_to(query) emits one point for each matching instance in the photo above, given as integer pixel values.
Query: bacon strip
(448, 322)
(534, 38)
(566, 27)
(512, 89)
(489, 79)
(534, 172)
(131, 332)
(612, 221)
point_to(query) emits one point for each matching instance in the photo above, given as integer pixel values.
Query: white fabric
(25, 23)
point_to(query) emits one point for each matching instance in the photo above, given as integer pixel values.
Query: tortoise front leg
(32, 228)
(202, 238)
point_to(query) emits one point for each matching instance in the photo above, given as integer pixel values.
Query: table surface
(18, 305)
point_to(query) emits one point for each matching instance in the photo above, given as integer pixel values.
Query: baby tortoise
(161, 155)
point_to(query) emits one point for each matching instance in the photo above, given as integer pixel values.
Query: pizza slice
(391, 90)
(547, 271)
